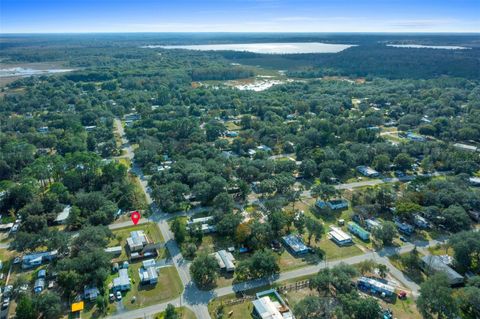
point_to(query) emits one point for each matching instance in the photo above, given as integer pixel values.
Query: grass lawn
(239, 311)
(6, 254)
(169, 286)
(231, 126)
(415, 274)
(184, 313)
(121, 234)
(441, 250)
(333, 251)
(287, 261)
(402, 309)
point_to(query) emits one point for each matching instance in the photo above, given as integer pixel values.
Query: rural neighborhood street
(197, 300)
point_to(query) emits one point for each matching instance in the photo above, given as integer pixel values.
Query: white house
(122, 282)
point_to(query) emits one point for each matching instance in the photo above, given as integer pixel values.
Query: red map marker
(135, 217)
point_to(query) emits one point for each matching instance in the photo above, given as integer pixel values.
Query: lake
(19, 71)
(420, 46)
(264, 48)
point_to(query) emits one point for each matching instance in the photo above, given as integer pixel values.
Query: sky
(65, 16)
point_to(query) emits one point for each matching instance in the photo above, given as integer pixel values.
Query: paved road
(197, 300)
(192, 297)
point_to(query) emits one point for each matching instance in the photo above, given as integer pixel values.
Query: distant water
(265, 48)
(419, 46)
(18, 71)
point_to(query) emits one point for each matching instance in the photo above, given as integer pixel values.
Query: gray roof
(435, 263)
(123, 279)
(295, 243)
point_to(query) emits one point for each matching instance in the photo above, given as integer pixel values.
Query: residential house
(148, 275)
(371, 224)
(357, 230)
(90, 293)
(43, 129)
(374, 286)
(433, 264)
(474, 181)
(420, 222)
(204, 223)
(295, 244)
(122, 282)
(334, 204)
(63, 215)
(34, 260)
(137, 240)
(270, 305)
(367, 171)
(404, 228)
(340, 237)
(225, 260)
(466, 147)
(231, 134)
(415, 137)
(90, 128)
(475, 215)
(264, 148)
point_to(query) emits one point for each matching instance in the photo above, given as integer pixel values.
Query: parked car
(111, 297)
(119, 295)
(6, 302)
(403, 239)
(402, 295)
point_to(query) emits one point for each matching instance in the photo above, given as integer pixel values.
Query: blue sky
(27, 16)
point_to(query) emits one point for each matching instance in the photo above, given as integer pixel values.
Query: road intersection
(197, 300)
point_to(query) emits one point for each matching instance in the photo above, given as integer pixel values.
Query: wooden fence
(282, 289)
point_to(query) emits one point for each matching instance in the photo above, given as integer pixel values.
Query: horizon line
(243, 32)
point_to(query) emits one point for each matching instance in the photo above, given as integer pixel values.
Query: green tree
(403, 161)
(25, 308)
(466, 250)
(324, 191)
(386, 233)
(313, 307)
(314, 228)
(171, 312)
(436, 300)
(48, 304)
(381, 162)
(204, 270)
(179, 229)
